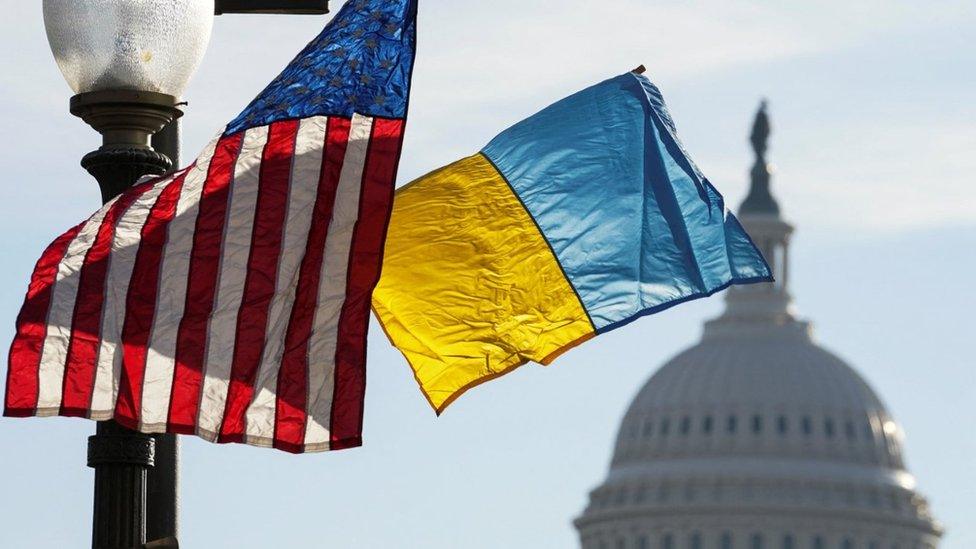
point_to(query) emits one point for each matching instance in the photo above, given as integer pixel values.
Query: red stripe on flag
(140, 306)
(365, 261)
(86, 323)
(262, 270)
(25, 351)
(292, 389)
(191, 340)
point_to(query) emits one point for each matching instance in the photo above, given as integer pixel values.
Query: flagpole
(163, 479)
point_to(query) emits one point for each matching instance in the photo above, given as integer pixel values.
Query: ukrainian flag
(571, 223)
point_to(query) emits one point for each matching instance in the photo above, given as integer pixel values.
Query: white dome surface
(780, 396)
(757, 437)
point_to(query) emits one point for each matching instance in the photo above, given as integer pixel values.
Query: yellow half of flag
(475, 287)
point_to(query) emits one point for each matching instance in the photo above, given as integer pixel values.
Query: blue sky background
(875, 147)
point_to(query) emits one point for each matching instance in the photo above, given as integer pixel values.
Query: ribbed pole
(120, 458)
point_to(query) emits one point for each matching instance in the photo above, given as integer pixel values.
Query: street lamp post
(128, 63)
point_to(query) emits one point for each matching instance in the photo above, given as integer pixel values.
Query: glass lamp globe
(145, 45)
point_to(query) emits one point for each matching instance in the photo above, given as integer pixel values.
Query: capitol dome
(757, 437)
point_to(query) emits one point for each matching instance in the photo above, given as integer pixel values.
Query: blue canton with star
(360, 63)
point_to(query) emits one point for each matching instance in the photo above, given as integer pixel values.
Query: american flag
(231, 299)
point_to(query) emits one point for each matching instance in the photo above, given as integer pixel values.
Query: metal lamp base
(126, 119)
(117, 169)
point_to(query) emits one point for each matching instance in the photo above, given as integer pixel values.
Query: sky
(874, 133)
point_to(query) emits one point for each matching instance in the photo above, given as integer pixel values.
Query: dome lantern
(761, 217)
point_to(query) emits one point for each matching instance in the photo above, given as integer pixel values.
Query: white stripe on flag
(234, 254)
(125, 246)
(171, 298)
(302, 190)
(54, 353)
(332, 284)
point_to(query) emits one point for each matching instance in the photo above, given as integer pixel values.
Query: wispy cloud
(485, 65)
(890, 176)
